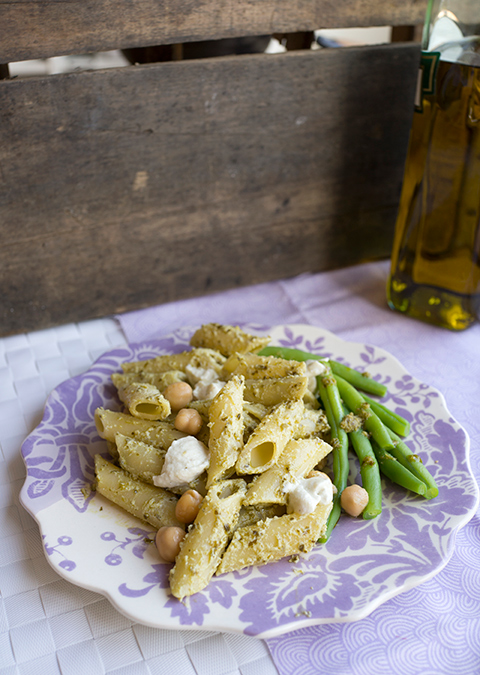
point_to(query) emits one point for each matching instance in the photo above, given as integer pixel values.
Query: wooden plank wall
(42, 28)
(129, 187)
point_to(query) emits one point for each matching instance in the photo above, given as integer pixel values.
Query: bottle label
(426, 79)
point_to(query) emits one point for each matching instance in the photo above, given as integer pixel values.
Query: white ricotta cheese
(205, 381)
(186, 459)
(314, 368)
(206, 390)
(304, 494)
(200, 374)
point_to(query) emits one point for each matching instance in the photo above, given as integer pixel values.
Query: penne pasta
(226, 429)
(198, 358)
(227, 339)
(139, 459)
(256, 411)
(251, 514)
(269, 438)
(274, 538)
(255, 367)
(158, 380)
(144, 461)
(272, 391)
(253, 413)
(160, 434)
(313, 422)
(147, 502)
(112, 449)
(145, 401)
(298, 459)
(207, 539)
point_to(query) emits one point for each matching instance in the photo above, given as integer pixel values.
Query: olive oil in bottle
(435, 267)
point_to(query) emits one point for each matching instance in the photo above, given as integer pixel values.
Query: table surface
(49, 625)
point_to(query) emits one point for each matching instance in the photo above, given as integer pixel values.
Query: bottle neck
(452, 27)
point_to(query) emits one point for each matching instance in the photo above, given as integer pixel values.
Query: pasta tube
(147, 502)
(159, 380)
(199, 358)
(272, 391)
(269, 438)
(227, 339)
(251, 514)
(144, 461)
(205, 542)
(145, 401)
(226, 429)
(274, 538)
(298, 458)
(255, 367)
(253, 413)
(160, 434)
(312, 423)
(140, 460)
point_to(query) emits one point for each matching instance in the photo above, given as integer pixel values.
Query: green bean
(357, 379)
(369, 471)
(354, 402)
(391, 419)
(290, 354)
(397, 473)
(327, 383)
(413, 463)
(340, 449)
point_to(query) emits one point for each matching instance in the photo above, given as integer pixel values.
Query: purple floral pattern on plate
(139, 542)
(362, 565)
(50, 550)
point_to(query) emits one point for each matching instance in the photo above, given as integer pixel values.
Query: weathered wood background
(129, 187)
(40, 28)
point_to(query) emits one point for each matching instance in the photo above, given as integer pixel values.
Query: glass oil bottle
(435, 265)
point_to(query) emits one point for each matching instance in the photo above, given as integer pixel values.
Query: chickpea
(189, 421)
(168, 540)
(188, 506)
(179, 394)
(354, 499)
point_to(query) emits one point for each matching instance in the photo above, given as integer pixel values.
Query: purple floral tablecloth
(433, 629)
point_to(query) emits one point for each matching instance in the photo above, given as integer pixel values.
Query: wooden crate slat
(31, 29)
(129, 187)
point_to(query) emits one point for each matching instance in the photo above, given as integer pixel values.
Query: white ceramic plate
(96, 545)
